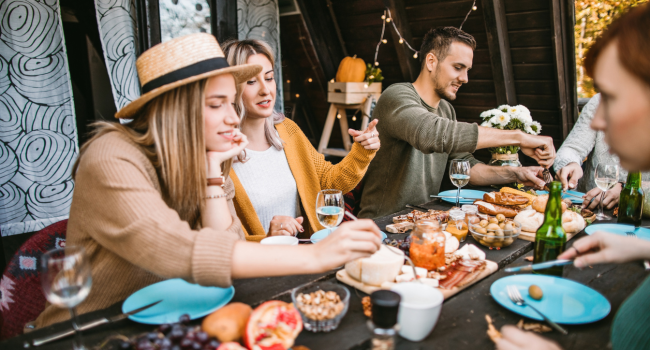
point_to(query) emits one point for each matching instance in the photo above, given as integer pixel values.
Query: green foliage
(592, 18)
(373, 74)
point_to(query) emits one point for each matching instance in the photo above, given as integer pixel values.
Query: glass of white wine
(66, 281)
(606, 177)
(459, 173)
(330, 208)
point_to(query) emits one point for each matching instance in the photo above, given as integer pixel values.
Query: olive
(480, 230)
(501, 217)
(508, 241)
(535, 292)
(490, 237)
(483, 223)
(493, 221)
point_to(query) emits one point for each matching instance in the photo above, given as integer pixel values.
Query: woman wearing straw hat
(280, 171)
(150, 202)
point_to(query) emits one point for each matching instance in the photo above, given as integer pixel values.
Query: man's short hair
(438, 40)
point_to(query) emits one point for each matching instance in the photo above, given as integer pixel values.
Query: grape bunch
(176, 336)
(402, 244)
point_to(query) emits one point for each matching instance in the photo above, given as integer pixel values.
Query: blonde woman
(279, 175)
(149, 202)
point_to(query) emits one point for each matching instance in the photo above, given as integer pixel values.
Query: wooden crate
(351, 93)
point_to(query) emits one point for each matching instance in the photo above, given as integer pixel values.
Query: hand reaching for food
(368, 138)
(602, 248)
(513, 338)
(569, 176)
(593, 197)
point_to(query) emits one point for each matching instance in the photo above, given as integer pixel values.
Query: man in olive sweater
(419, 133)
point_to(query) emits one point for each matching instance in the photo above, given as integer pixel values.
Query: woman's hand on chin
(369, 138)
(239, 142)
(351, 241)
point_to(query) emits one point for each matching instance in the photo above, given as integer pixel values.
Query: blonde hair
(170, 130)
(237, 52)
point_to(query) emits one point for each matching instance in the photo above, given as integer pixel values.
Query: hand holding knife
(540, 266)
(92, 324)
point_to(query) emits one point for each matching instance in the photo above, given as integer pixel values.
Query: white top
(269, 184)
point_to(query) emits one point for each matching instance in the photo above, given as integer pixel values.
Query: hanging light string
(387, 17)
(470, 11)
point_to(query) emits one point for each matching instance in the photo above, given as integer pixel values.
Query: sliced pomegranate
(273, 325)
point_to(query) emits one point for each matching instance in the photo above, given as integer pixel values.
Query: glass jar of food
(427, 245)
(457, 225)
(471, 214)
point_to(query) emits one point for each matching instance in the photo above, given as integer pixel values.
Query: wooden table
(461, 324)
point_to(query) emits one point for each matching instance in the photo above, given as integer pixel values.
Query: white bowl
(419, 309)
(280, 240)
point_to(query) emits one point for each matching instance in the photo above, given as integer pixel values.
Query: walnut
(367, 306)
(320, 305)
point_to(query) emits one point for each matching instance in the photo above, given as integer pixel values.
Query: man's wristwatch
(217, 181)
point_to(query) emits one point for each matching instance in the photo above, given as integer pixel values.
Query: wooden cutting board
(530, 236)
(490, 268)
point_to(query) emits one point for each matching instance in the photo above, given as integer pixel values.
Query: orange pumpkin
(351, 70)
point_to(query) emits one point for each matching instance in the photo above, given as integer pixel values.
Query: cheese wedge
(383, 266)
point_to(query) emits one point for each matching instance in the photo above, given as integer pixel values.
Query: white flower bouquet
(510, 118)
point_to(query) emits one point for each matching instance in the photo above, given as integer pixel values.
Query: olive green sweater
(631, 328)
(417, 140)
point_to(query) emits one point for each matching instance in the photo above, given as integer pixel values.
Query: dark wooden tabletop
(461, 324)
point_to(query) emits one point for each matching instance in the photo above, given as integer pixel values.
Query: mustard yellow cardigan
(311, 172)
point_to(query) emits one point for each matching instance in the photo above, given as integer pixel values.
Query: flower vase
(505, 160)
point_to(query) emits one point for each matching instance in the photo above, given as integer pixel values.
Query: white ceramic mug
(419, 309)
(280, 240)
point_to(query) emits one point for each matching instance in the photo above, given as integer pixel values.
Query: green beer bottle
(550, 239)
(630, 204)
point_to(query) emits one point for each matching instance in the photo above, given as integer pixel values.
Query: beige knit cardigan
(132, 237)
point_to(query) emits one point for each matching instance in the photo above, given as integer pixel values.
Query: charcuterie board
(490, 268)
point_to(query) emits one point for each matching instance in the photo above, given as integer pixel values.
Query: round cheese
(383, 266)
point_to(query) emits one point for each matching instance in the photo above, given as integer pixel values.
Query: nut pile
(320, 305)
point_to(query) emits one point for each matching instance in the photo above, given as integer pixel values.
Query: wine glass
(459, 173)
(606, 177)
(66, 281)
(330, 208)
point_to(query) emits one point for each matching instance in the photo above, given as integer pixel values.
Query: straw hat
(181, 61)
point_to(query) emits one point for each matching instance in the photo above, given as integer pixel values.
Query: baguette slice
(530, 197)
(494, 209)
(504, 198)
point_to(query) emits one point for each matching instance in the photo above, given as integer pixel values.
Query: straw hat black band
(186, 72)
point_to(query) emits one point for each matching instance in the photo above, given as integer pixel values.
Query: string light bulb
(354, 118)
(415, 55)
(383, 16)
(309, 80)
(401, 41)
(371, 77)
(288, 81)
(338, 116)
(376, 63)
(474, 8)
(332, 81)
(388, 19)
(384, 41)
(297, 95)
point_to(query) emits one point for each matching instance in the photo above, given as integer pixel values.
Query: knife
(93, 324)
(540, 266)
(434, 196)
(417, 207)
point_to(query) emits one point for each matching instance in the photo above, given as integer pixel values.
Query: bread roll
(539, 204)
(494, 209)
(502, 198)
(572, 222)
(530, 220)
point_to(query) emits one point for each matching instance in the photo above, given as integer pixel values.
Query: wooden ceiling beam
(409, 65)
(496, 27)
(321, 29)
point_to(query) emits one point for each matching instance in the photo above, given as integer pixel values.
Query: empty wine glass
(459, 173)
(606, 177)
(66, 281)
(330, 208)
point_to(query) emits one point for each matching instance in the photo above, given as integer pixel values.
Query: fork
(646, 263)
(515, 296)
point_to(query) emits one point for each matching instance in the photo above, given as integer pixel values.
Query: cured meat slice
(462, 273)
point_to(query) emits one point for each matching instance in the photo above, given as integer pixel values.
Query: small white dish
(280, 240)
(419, 309)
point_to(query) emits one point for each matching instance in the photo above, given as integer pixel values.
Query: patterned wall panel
(117, 25)
(38, 137)
(260, 19)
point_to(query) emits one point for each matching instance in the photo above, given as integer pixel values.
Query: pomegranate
(273, 325)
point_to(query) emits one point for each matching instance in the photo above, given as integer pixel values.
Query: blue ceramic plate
(564, 301)
(178, 297)
(316, 237)
(564, 195)
(474, 194)
(619, 229)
